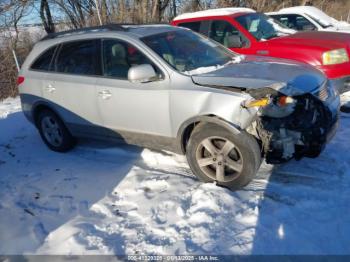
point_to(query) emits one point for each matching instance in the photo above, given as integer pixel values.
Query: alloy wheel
(219, 159)
(52, 131)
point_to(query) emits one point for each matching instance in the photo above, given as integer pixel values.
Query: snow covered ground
(101, 199)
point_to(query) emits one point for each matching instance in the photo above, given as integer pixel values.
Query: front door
(126, 108)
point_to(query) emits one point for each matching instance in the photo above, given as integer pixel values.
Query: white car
(309, 18)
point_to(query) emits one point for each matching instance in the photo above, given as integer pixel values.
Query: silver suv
(168, 88)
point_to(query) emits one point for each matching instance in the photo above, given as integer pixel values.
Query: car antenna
(98, 12)
(16, 60)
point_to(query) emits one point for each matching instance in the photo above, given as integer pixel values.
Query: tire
(237, 156)
(345, 108)
(54, 133)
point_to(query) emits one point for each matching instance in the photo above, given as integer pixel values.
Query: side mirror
(233, 41)
(142, 74)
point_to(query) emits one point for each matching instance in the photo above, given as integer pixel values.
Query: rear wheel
(216, 154)
(54, 133)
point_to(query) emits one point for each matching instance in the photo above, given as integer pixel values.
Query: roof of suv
(132, 30)
(215, 12)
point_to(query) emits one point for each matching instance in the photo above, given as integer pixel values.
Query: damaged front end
(293, 125)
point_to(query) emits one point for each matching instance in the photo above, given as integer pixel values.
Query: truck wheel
(216, 154)
(54, 133)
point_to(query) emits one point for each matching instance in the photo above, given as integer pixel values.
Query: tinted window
(79, 58)
(119, 56)
(296, 22)
(195, 26)
(221, 31)
(44, 61)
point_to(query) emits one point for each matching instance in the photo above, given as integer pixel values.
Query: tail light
(20, 80)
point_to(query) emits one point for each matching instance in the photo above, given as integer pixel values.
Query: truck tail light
(20, 80)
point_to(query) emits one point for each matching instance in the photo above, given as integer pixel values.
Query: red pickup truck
(247, 32)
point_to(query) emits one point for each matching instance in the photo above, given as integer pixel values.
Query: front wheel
(54, 133)
(216, 154)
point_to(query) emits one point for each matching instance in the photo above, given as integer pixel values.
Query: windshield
(188, 52)
(262, 27)
(318, 21)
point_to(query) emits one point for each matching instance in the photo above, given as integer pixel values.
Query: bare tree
(158, 8)
(11, 38)
(76, 10)
(12, 13)
(46, 17)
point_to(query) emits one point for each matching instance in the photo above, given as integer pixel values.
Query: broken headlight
(276, 107)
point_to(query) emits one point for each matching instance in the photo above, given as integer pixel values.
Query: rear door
(71, 85)
(222, 30)
(36, 77)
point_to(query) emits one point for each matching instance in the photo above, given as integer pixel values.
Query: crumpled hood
(288, 77)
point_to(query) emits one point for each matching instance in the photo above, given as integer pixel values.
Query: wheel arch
(188, 126)
(39, 107)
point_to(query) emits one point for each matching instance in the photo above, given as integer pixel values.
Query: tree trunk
(104, 11)
(155, 10)
(46, 18)
(174, 8)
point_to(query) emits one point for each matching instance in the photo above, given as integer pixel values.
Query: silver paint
(164, 107)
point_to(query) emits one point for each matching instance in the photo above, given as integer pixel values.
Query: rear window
(44, 60)
(194, 26)
(79, 58)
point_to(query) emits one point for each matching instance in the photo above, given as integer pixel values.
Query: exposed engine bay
(290, 119)
(300, 127)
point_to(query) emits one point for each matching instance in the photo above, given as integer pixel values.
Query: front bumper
(342, 85)
(304, 133)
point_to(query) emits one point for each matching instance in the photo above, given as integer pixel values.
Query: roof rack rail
(108, 27)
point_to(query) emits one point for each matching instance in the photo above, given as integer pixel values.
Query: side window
(79, 58)
(119, 57)
(194, 26)
(43, 62)
(226, 34)
(304, 24)
(282, 19)
(296, 22)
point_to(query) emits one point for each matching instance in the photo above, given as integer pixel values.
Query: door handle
(262, 52)
(49, 88)
(105, 94)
